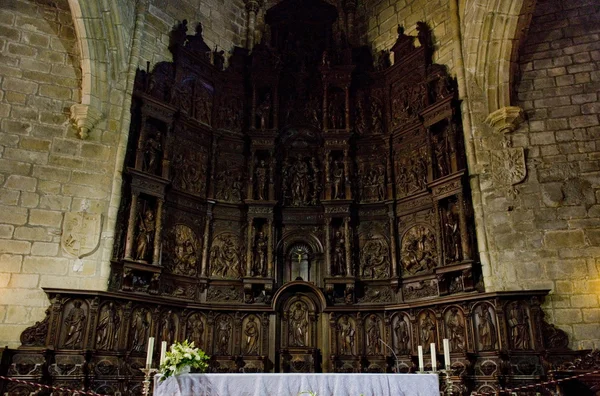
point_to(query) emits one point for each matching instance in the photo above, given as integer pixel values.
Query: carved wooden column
(350, 9)
(347, 184)
(270, 248)
(271, 189)
(327, 175)
(158, 232)
(251, 178)
(133, 211)
(250, 245)
(347, 246)
(393, 244)
(207, 229)
(464, 235)
(347, 108)
(253, 111)
(213, 166)
(328, 246)
(325, 117)
(252, 7)
(438, 232)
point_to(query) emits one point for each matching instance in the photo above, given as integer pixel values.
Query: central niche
(299, 267)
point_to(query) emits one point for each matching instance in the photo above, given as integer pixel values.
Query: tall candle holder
(148, 373)
(448, 380)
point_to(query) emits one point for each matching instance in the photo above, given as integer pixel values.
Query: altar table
(295, 384)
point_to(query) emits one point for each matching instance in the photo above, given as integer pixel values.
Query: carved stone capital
(85, 117)
(506, 119)
(350, 5)
(253, 5)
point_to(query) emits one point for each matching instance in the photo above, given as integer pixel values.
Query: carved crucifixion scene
(297, 207)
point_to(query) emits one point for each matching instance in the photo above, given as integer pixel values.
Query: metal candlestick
(148, 373)
(447, 380)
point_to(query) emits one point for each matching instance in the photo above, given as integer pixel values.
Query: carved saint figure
(223, 333)
(376, 118)
(298, 325)
(338, 179)
(346, 332)
(402, 337)
(373, 336)
(486, 330)
(196, 331)
(427, 328)
(263, 111)
(75, 323)
(261, 179)
(519, 327)
(456, 328)
(315, 181)
(339, 254)
(251, 332)
(260, 254)
(374, 259)
(139, 327)
(168, 328)
(440, 148)
(452, 234)
(108, 328)
(145, 235)
(152, 151)
(300, 182)
(224, 258)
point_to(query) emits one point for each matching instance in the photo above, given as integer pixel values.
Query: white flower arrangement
(182, 355)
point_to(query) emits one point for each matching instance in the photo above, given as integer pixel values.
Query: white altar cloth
(294, 384)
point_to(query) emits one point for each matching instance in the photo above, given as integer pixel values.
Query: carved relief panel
(373, 334)
(418, 249)
(455, 325)
(74, 325)
(226, 256)
(139, 329)
(374, 252)
(189, 169)
(196, 330)
(108, 329)
(223, 335)
(427, 328)
(401, 334)
(486, 327)
(229, 177)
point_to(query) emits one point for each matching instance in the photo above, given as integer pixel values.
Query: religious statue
(139, 327)
(195, 331)
(373, 336)
(75, 323)
(224, 257)
(376, 118)
(263, 111)
(299, 183)
(107, 331)
(456, 327)
(402, 338)
(374, 259)
(261, 180)
(339, 254)
(251, 332)
(145, 236)
(298, 325)
(427, 329)
(440, 149)
(223, 334)
(380, 183)
(152, 151)
(315, 181)
(486, 330)
(168, 328)
(519, 327)
(338, 180)
(452, 234)
(346, 332)
(260, 252)
(218, 58)
(203, 103)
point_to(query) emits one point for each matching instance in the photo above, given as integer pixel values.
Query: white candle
(421, 364)
(163, 351)
(447, 363)
(150, 352)
(433, 361)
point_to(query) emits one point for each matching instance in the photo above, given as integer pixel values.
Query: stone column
(393, 244)
(270, 248)
(158, 232)
(133, 213)
(347, 246)
(207, 226)
(252, 6)
(464, 235)
(253, 111)
(328, 246)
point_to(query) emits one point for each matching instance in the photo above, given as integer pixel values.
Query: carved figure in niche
(145, 236)
(440, 148)
(236, 188)
(380, 182)
(374, 259)
(286, 170)
(203, 103)
(261, 179)
(152, 152)
(260, 254)
(441, 88)
(376, 118)
(263, 111)
(373, 336)
(337, 110)
(361, 117)
(195, 330)
(251, 332)
(107, 332)
(452, 228)
(139, 326)
(185, 250)
(402, 337)
(418, 249)
(223, 333)
(224, 257)
(346, 332)
(427, 329)
(486, 330)
(75, 323)
(299, 182)
(456, 327)
(339, 254)
(167, 332)
(518, 322)
(338, 180)
(315, 181)
(298, 325)
(190, 170)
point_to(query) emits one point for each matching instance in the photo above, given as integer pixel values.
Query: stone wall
(378, 22)
(549, 235)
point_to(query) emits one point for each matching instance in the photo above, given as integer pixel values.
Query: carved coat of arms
(81, 233)
(508, 166)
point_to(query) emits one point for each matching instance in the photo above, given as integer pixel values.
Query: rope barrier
(49, 387)
(533, 386)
